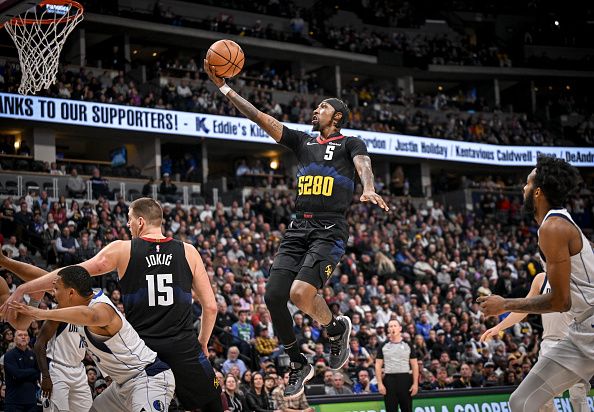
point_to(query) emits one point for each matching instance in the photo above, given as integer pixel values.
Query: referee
(397, 385)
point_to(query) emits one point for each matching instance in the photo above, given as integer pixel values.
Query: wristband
(225, 89)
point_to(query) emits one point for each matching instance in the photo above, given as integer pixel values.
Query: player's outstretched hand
(489, 334)
(26, 310)
(491, 305)
(375, 199)
(218, 81)
(16, 296)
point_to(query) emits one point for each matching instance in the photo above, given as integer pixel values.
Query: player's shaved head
(148, 209)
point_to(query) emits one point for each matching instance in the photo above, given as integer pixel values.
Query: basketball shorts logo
(158, 405)
(328, 270)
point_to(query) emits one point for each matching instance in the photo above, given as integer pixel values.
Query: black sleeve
(293, 139)
(380, 352)
(356, 147)
(413, 352)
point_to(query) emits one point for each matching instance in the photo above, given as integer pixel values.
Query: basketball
(226, 57)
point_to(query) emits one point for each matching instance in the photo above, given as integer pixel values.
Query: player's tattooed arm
(270, 125)
(363, 166)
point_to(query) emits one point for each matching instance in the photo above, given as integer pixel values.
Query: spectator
(11, 248)
(86, 250)
(338, 387)
(49, 238)
(168, 189)
(67, 247)
(265, 345)
(147, 188)
(290, 405)
(190, 167)
(465, 378)
(243, 331)
(257, 399)
(76, 185)
(22, 375)
(235, 400)
(99, 185)
(232, 360)
(363, 384)
(242, 168)
(442, 381)
(100, 386)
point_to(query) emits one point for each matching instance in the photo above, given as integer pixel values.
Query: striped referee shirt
(396, 356)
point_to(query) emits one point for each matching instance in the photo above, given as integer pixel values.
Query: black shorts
(312, 247)
(195, 380)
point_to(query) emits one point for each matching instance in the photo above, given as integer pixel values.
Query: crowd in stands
(382, 109)
(418, 50)
(422, 265)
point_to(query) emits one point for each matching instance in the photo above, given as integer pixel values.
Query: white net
(39, 36)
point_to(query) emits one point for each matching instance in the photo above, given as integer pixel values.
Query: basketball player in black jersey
(157, 276)
(315, 241)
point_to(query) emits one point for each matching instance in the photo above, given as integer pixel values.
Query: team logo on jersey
(328, 270)
(158, 405)
(216, 383)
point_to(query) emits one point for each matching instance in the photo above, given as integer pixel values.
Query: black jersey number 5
(162, 294)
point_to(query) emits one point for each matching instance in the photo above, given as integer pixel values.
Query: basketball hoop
(39, 35)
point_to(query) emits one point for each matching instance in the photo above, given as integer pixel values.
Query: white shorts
(546, 345)
(143, 392)
(71, 391)
(570, 356)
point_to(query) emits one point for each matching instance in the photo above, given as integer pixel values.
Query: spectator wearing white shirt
(183, 90)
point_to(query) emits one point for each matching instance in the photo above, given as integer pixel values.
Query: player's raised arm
(24, 271)
(113, 256)
(270, 125)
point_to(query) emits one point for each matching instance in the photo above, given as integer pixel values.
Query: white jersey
(66, 347)
(581, 289)
(555, 324)
(122, 356)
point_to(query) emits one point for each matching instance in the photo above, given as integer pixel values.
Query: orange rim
(17, 21)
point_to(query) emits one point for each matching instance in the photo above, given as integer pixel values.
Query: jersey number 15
(164, 290)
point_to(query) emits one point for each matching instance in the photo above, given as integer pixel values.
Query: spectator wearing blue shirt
(363, 384)
(232, 360)
(191, 167)
(423, 326)
(22, 375)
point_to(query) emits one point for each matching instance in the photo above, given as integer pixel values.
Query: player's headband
(339, 106)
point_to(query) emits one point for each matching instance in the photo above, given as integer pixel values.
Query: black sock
(335, 328)
(295, 354)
